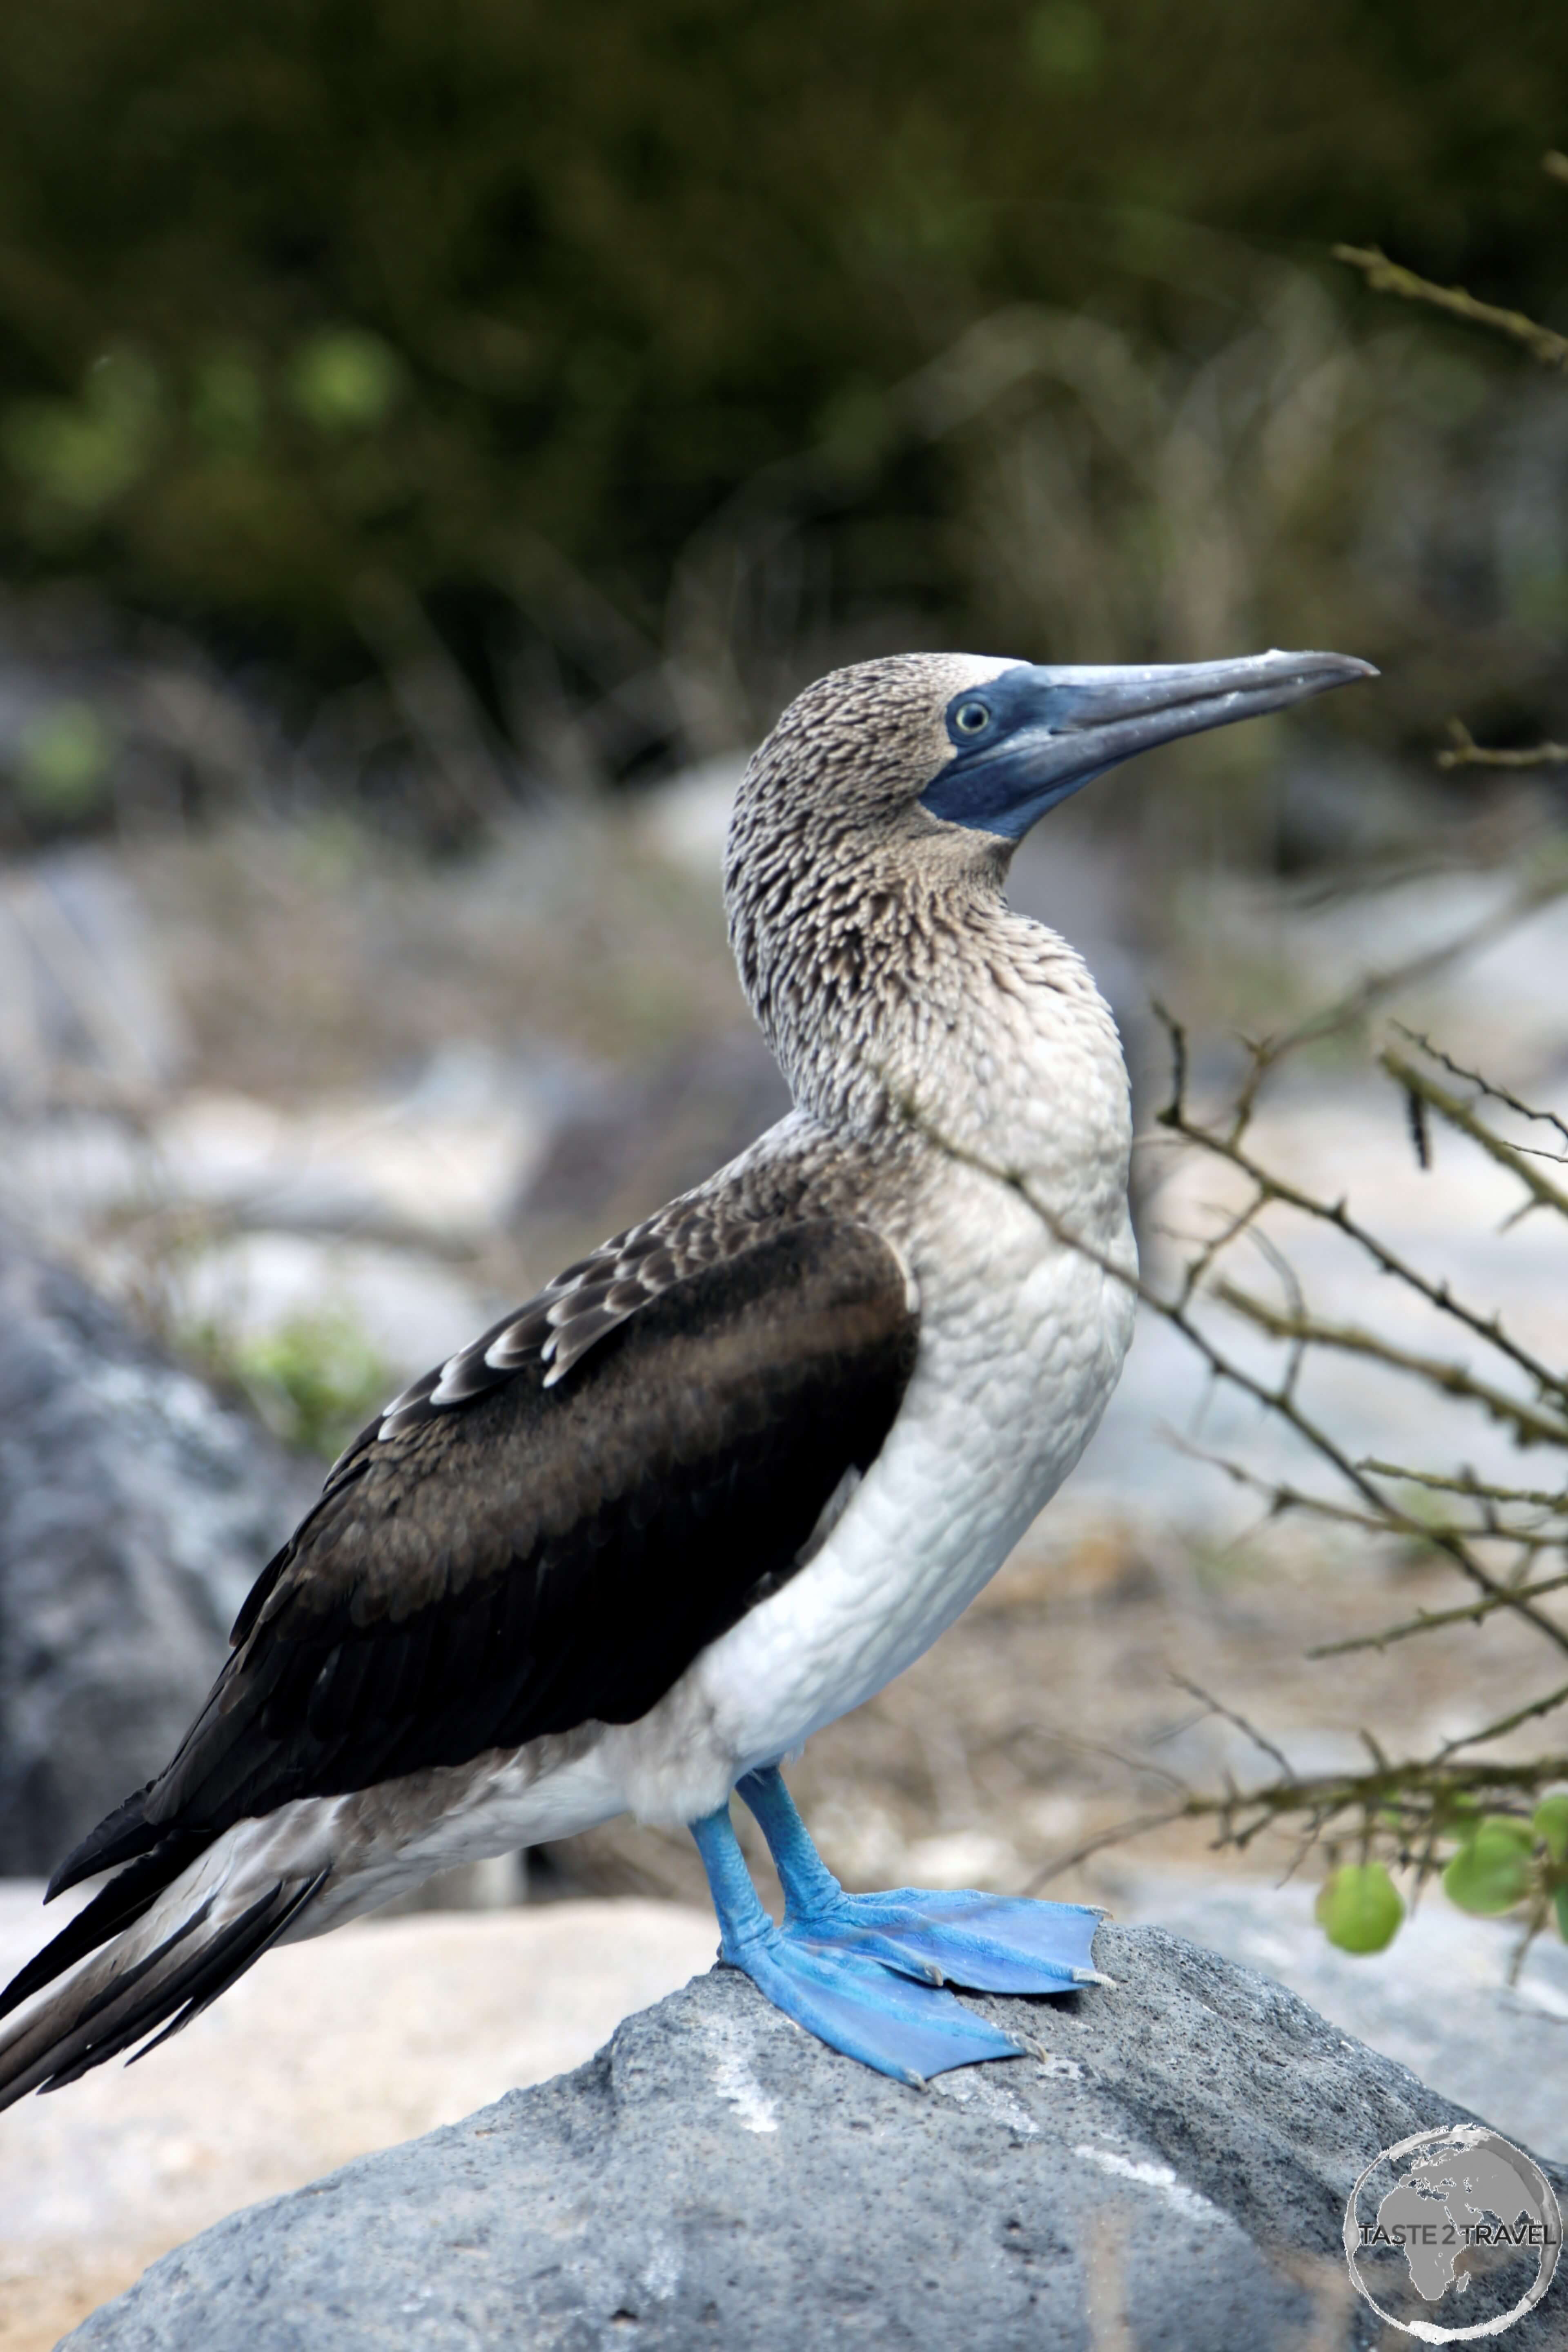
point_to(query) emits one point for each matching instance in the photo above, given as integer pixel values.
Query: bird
(726, 1476)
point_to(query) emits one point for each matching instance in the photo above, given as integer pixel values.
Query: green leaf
(345, 379)
(314, 1378)
(1491, 1871)
(1360, 1909)
(1065, 43)
(66, 753)
(1562, 1910)
(1549, 1824)
(85, 454)
(228, 403)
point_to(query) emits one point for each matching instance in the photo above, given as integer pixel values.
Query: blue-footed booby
(719, 1482)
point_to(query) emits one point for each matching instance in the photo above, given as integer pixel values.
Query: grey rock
(1445, 1998)
(1170, 2178)
(82, 988)
(135, 1510)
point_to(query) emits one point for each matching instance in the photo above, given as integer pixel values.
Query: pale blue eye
(971, 716)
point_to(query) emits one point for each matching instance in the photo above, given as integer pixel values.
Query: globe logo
(1453, 2235)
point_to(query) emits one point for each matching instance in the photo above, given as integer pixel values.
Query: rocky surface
(1446, 1998)
(325, 2052)
(135, 1509)
(1170, 2175)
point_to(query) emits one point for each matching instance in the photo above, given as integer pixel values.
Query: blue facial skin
(1030, 737)
(992, 784)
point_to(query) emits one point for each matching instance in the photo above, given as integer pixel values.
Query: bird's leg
(847, 1999)
(989, 1943)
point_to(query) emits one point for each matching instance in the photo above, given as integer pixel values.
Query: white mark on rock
(1066, 2070)
(732, 2076)
(1152, 2176)
(661, 2272)
(997, 2102)
(1007, 2109)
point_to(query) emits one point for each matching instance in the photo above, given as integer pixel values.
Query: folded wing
(535, 1553)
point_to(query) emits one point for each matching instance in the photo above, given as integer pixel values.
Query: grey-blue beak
(1032, 736)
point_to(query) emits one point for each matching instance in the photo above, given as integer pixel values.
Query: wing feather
(536, 1550)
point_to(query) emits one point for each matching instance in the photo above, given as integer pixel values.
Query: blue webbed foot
(911, 2030)
(907, 2030)
(988, 1943)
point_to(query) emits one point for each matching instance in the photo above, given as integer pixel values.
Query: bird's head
(900, 783)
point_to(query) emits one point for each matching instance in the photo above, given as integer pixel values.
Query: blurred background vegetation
(500, 394)
(434, 442)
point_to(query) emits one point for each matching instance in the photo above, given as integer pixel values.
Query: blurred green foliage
(317, 289)
(316, 1380)
(62, 773)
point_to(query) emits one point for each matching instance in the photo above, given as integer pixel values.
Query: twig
(1385, 277)
(1118, 1834)
(1459, 1114)
(1282, 1498)
(1343, 1012)
(1484, 1085)
(1413, 1809)
(1532, 1427)
(1507, 1723)
(1426, 1620)
(1195, 1690)
(1465, 752)
(1414, 1796)
(1437, 1293)
(1273, 1399)
(1466, 1482)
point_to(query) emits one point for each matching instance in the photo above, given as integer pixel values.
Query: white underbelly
(1015, 1366)
(1022, 1338)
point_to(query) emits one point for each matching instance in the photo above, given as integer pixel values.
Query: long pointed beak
(1131, 710)
(1049, 731)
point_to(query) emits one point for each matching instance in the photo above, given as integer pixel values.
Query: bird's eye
(971, 716)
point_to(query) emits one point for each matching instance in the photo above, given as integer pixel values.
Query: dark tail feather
(122, 1835)
(117, 1905)
(97, 2017)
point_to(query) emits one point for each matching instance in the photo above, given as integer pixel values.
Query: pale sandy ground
(331, 2049)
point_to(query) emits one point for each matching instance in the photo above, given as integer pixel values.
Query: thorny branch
(1466, 1482)
(1426, 1620)
(1529, 1427)
(1413, 1811)
(1385, 277)
(1458, 1114)
(1486, 1087)
(1464, 752)
(1224, 1141)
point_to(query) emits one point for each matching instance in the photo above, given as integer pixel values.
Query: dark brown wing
(759, 1195)
(540, 1556)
